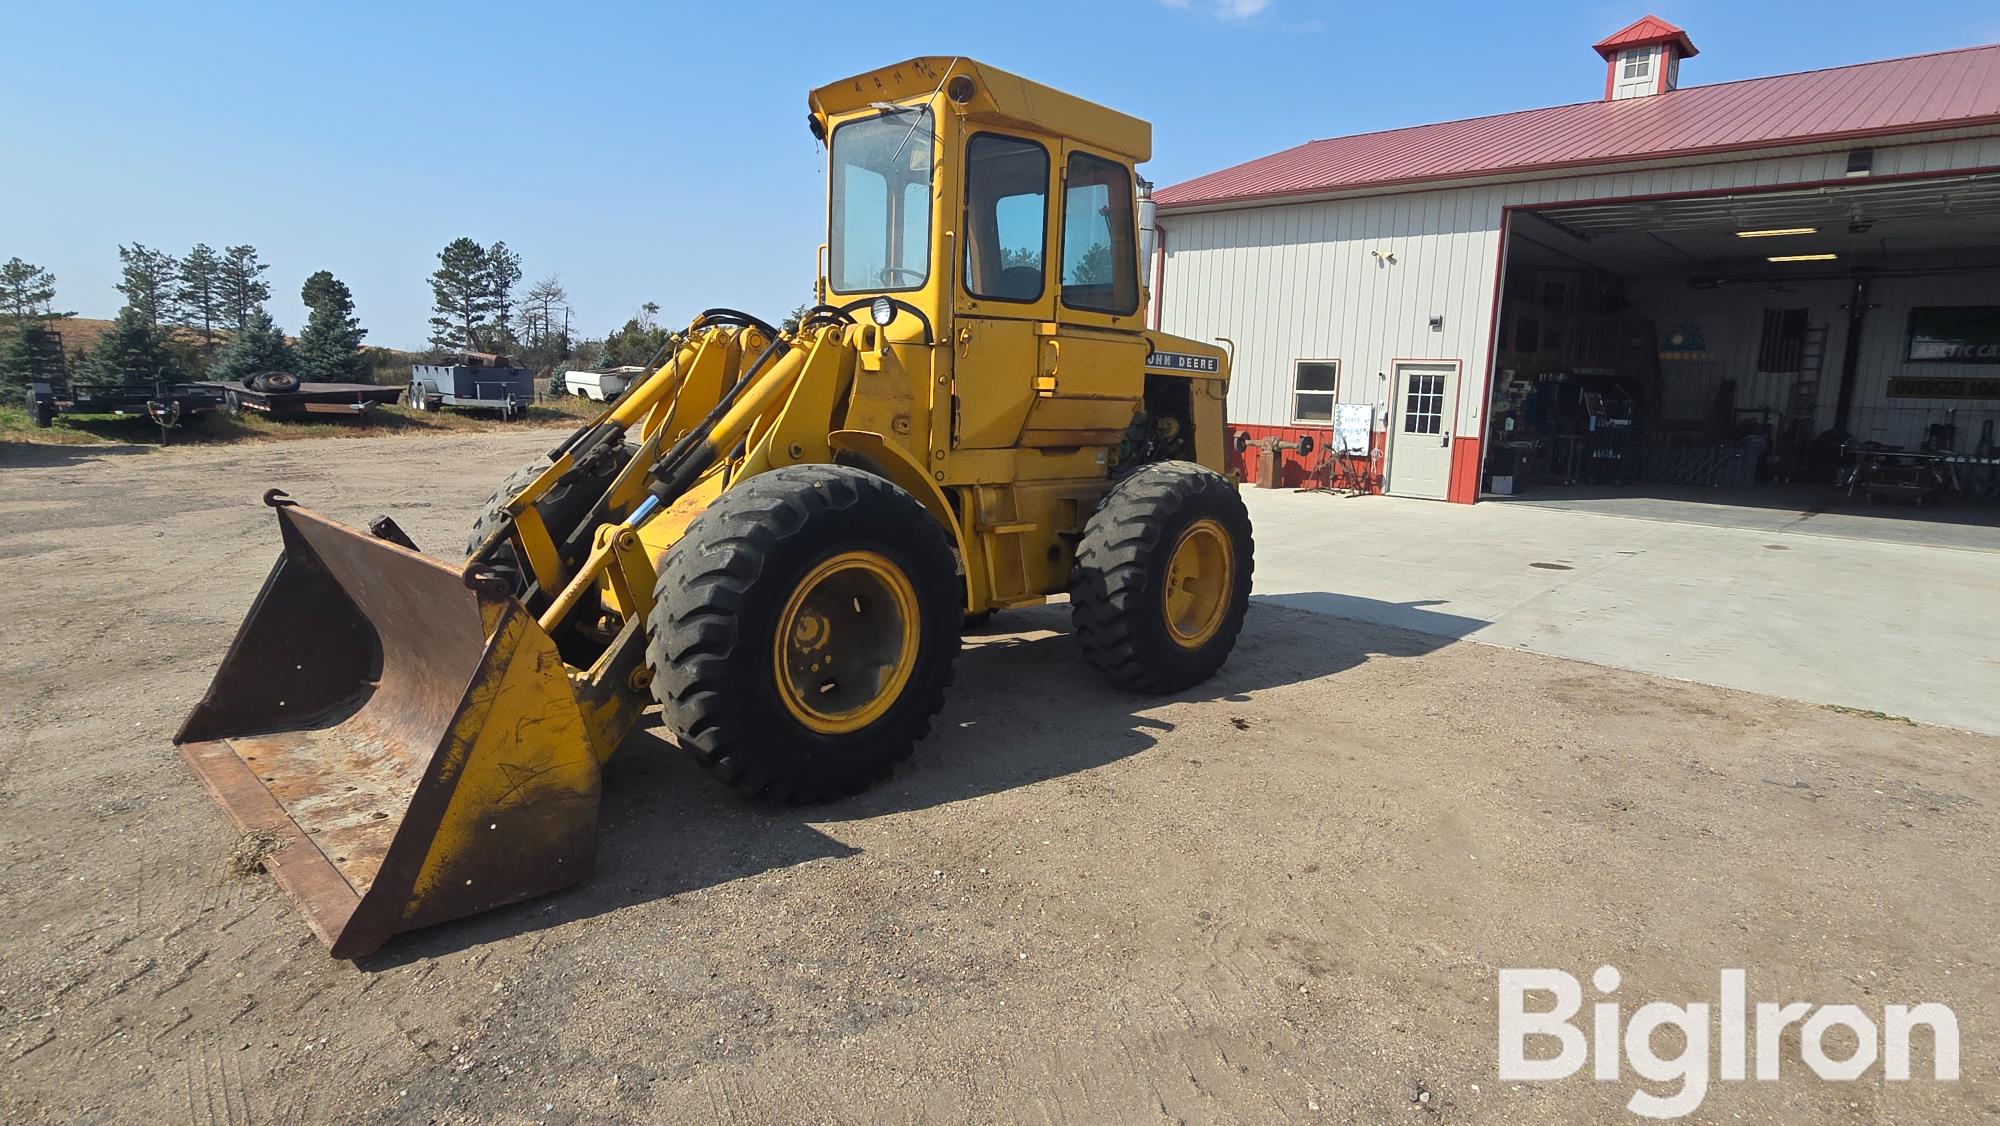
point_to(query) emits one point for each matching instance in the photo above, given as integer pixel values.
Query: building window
(1782, 348)
(1313, 385)
(1638, 63)
(1558, 291)
(1006, 217)
(1100, 267)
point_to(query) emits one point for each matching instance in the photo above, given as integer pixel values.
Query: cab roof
(997, 96)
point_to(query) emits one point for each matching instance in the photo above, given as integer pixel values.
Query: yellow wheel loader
(776, 536)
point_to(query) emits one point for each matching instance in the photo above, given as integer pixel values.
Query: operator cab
(966, 190)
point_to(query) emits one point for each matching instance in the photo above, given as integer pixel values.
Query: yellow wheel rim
(1200, 577)
(846, 642)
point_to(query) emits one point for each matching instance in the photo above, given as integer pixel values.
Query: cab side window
(1006, 217)
(1100, 268)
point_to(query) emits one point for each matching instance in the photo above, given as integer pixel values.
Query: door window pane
(1100, 264)
(1006, 217)
(1423, 403)
(879, 235)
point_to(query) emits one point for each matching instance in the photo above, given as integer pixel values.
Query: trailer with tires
(280, 394)
(480, 381)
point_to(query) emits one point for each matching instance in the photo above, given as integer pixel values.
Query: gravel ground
(1282, 897)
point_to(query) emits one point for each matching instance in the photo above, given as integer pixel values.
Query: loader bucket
(412, 748)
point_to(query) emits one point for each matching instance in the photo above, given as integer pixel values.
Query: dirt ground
(1282, 897)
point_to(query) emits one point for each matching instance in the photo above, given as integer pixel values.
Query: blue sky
(658, 152)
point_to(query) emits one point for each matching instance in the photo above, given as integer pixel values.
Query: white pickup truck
(602, 386)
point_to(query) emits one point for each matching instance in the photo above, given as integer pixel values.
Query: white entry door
(1426, 402)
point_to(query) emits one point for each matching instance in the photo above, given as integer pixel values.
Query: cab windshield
(878, 235)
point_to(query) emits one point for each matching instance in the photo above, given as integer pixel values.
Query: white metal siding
(1296, 280)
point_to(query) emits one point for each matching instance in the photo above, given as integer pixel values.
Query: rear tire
(785, 580)
(1162, 578)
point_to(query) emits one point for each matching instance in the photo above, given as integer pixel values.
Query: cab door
(1091, 375)
(1005, 292)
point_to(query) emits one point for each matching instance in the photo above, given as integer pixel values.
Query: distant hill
(79, 333)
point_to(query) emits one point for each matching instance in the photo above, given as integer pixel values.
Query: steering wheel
(889, 274)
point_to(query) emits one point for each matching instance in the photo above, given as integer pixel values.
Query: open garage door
(1811, 350)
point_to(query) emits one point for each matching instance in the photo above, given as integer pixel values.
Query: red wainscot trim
(1293, 470)
(1464, 487)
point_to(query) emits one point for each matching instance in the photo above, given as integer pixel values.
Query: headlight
(882, 311)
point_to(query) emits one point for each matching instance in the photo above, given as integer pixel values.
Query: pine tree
(459, 288)
(34, 354)
(258, 346)
(244, 289)
(132, 350)
(198, 293)
(503, 273)
(329, 349)
(147, 281)
(27, 292)
(472, 291)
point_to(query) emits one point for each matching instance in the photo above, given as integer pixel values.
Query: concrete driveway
(1769, 606)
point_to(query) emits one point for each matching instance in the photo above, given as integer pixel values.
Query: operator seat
(1020, 283)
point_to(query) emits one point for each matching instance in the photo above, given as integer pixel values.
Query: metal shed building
(1763, 264)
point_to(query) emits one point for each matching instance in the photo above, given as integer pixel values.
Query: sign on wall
(1942, 387)
(1954, 334)
(1685, 342)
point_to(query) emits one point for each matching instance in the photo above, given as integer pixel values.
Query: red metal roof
(1923, 92)
(1644, 32)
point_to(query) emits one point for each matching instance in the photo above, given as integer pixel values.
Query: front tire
(1162, 578)
(561, 508)
(803, 632)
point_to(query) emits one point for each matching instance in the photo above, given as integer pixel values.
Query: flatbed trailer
(310, 398)
(169, 404)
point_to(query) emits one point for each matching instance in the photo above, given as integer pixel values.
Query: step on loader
(776, 536)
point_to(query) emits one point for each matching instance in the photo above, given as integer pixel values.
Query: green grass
(220, 429)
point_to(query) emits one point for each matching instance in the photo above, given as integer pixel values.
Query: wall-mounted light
(1437, 323)
(1384, 257)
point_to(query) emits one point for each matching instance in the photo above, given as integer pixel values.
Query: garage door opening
(1834, 349)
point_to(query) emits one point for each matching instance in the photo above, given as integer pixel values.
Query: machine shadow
(37, 455)
(666, 828)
